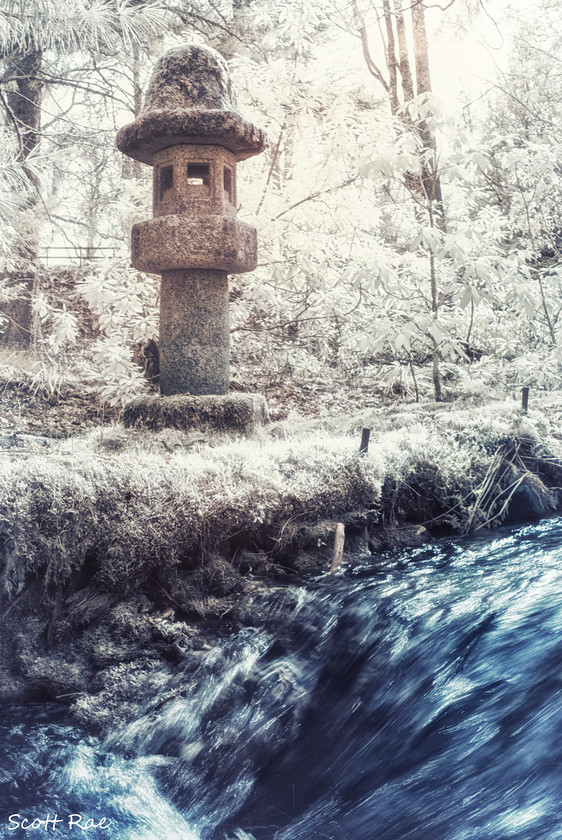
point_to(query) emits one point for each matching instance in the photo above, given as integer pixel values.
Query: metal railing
(74, 254)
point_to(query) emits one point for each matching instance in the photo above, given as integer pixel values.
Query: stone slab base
(223, 413)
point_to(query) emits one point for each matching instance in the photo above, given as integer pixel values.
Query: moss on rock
(241, 413)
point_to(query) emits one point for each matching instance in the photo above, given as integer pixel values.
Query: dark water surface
(425, 702)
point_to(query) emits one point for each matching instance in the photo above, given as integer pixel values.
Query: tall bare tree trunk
(137, 100)
(421, 52)
(411, 54)
(391, 63)
(430, 175)
(403, 58)
(23, 103)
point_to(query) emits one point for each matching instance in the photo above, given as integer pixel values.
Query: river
(421, 700)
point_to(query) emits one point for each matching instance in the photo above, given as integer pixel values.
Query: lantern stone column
(191, 134)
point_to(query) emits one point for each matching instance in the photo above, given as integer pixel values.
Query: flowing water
(423, 701)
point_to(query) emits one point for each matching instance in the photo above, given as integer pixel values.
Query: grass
(123, 503)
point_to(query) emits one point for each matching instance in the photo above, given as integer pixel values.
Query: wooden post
(339, 541)
(364, 447)
(525, 399)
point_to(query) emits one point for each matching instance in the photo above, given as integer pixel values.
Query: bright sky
(465, 54)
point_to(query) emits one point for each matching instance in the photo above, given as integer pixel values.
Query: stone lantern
(191, 134)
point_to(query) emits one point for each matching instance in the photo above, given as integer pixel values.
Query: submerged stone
(531, 500)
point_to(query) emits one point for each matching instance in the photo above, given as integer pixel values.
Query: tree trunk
(403, 57)
(391, 63)
(137, 100)
(24, 99)
(436, 376)
(430, 176)
(23, 103)
(421, 52)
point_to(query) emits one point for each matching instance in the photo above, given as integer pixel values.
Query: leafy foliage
(123, 302)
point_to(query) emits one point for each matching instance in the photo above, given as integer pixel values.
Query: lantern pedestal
(241, 413)
(194, 332)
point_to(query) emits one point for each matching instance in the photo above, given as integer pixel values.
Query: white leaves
(469, 295)
(482, 161)
(402, 342)
(376, 168)
(436, 331)
(41, 306)
(456, 246)
(16, 184)
(392, 159)
(425, 108)
(59, 326)
(430, 238)
(483, 268)
(124, 303)
(511, 160)
(79, 24)
(135, 23)
(522, 297)
(64, 329)
(121, 379)
(122, 300)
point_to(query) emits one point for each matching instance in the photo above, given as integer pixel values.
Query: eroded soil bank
(123, 552)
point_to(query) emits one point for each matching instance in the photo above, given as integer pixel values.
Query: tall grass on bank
(121, 506)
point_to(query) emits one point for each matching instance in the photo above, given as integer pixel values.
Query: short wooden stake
(364, 447)
(339, 541)
(525, 398)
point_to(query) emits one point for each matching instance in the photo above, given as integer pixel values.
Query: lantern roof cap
(190, 101)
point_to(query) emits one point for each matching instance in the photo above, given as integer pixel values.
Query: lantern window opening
(228, 183)
(199, 174)
(166, 176)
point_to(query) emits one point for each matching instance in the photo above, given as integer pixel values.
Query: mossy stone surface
(190, 76)
(169, 243)
(190, 100)
(194, 332)
(225, 412)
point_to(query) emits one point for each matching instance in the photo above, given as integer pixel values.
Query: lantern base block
(242, 413)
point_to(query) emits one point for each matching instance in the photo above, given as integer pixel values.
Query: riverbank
(123, 550)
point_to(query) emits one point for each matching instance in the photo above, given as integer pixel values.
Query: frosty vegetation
(123, 504)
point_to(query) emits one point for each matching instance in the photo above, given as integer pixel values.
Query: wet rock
(356, 526)
(391, 537)
(14, 689)
(255, 563)
(54, 676)
(25, 442)
(530, 500)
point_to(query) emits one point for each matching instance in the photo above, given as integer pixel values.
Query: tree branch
(312, 196)
(371, 66)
